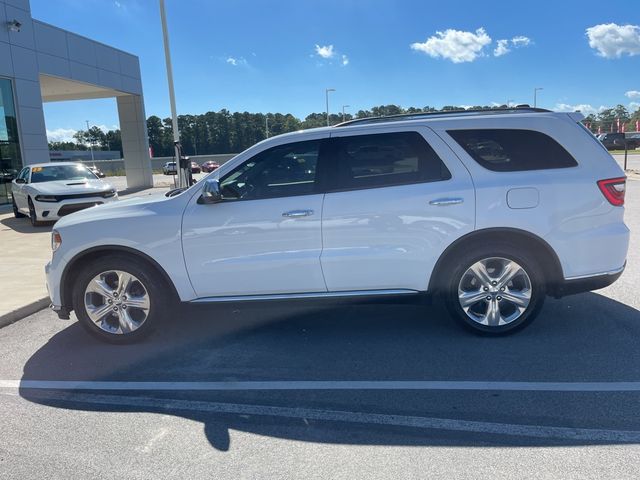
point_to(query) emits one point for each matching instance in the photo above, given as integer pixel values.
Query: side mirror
(20, 180)
(210, 192)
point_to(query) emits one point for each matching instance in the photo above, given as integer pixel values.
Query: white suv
(490, 210)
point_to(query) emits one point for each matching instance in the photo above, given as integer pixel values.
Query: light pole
(266, 126)
(172, 97)
(326, 93)
(90, 143)
(343, 107)
(535, 96)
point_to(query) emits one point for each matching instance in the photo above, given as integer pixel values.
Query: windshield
(61, 172)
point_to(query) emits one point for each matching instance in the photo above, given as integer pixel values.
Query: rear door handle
(443, 202)
(297, 213)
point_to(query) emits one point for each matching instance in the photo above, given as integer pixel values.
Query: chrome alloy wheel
(117, 302)
(494, 291)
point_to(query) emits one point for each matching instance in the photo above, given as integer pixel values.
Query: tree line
(613, 119)
(94, 137)
(226, 132)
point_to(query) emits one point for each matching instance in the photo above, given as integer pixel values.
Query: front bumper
(52, 276)
(51, 211)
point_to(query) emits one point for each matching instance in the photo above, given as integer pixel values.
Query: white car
(48, 191)
(169, 168)
(490, 211)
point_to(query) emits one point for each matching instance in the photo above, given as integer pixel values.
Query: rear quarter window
(511, 150)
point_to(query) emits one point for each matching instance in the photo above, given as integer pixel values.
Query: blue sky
(279, 56)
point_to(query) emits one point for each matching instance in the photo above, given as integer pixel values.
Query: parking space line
(431, 423)
(323, 385)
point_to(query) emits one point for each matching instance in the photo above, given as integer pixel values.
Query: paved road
(633, 161)
(290, 429)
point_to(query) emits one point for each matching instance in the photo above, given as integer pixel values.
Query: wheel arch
(82, 258)
(548, 258)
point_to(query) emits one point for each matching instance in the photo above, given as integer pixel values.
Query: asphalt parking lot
(557, 400)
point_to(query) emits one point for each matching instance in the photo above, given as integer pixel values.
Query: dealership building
(43, 63)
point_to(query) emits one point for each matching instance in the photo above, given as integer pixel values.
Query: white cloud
(66, 134)
(106, 128)
(584, 108)
(325, 51)
(61, 135)
(236, 62)
(632, 94)
(633, 106)
(455, 45)
(613, 41)
(502, 48)
(521, 41)
(327, 54)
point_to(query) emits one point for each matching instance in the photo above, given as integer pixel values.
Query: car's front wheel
(119, 299)
(496, 290)
(32, 214)
(16, 212)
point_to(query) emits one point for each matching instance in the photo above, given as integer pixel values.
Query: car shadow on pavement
(23, 225)
(584, 338)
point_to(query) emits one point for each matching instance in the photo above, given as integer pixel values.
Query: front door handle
(297, 213)
(443, 202)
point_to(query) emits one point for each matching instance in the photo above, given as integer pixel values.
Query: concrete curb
(22, 312)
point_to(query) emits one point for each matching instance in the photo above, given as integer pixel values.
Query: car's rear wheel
(495, 291)
(32, 214)
(16, 212)
(119, 299)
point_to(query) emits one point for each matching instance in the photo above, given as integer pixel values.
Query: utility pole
(266, 126)
(182, 181)
(535, 96)
(343, 107)
(90, 142)
(326, 93)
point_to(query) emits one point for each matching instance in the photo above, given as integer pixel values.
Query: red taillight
(613, 190)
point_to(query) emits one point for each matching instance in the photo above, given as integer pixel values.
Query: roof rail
(449, 113)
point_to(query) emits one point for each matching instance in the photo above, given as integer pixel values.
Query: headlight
(46, 198)
(56, 240)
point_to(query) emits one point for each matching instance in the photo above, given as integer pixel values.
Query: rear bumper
(572, 286)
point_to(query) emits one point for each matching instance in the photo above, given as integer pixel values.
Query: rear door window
(510, 150)
(385, 159)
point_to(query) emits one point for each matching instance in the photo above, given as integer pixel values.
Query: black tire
(159, 298)
(492, 255)
(16, 212)
(32, 215)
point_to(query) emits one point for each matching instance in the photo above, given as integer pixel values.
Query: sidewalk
(25, 251)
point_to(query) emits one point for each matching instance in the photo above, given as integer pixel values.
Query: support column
(135, 143)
